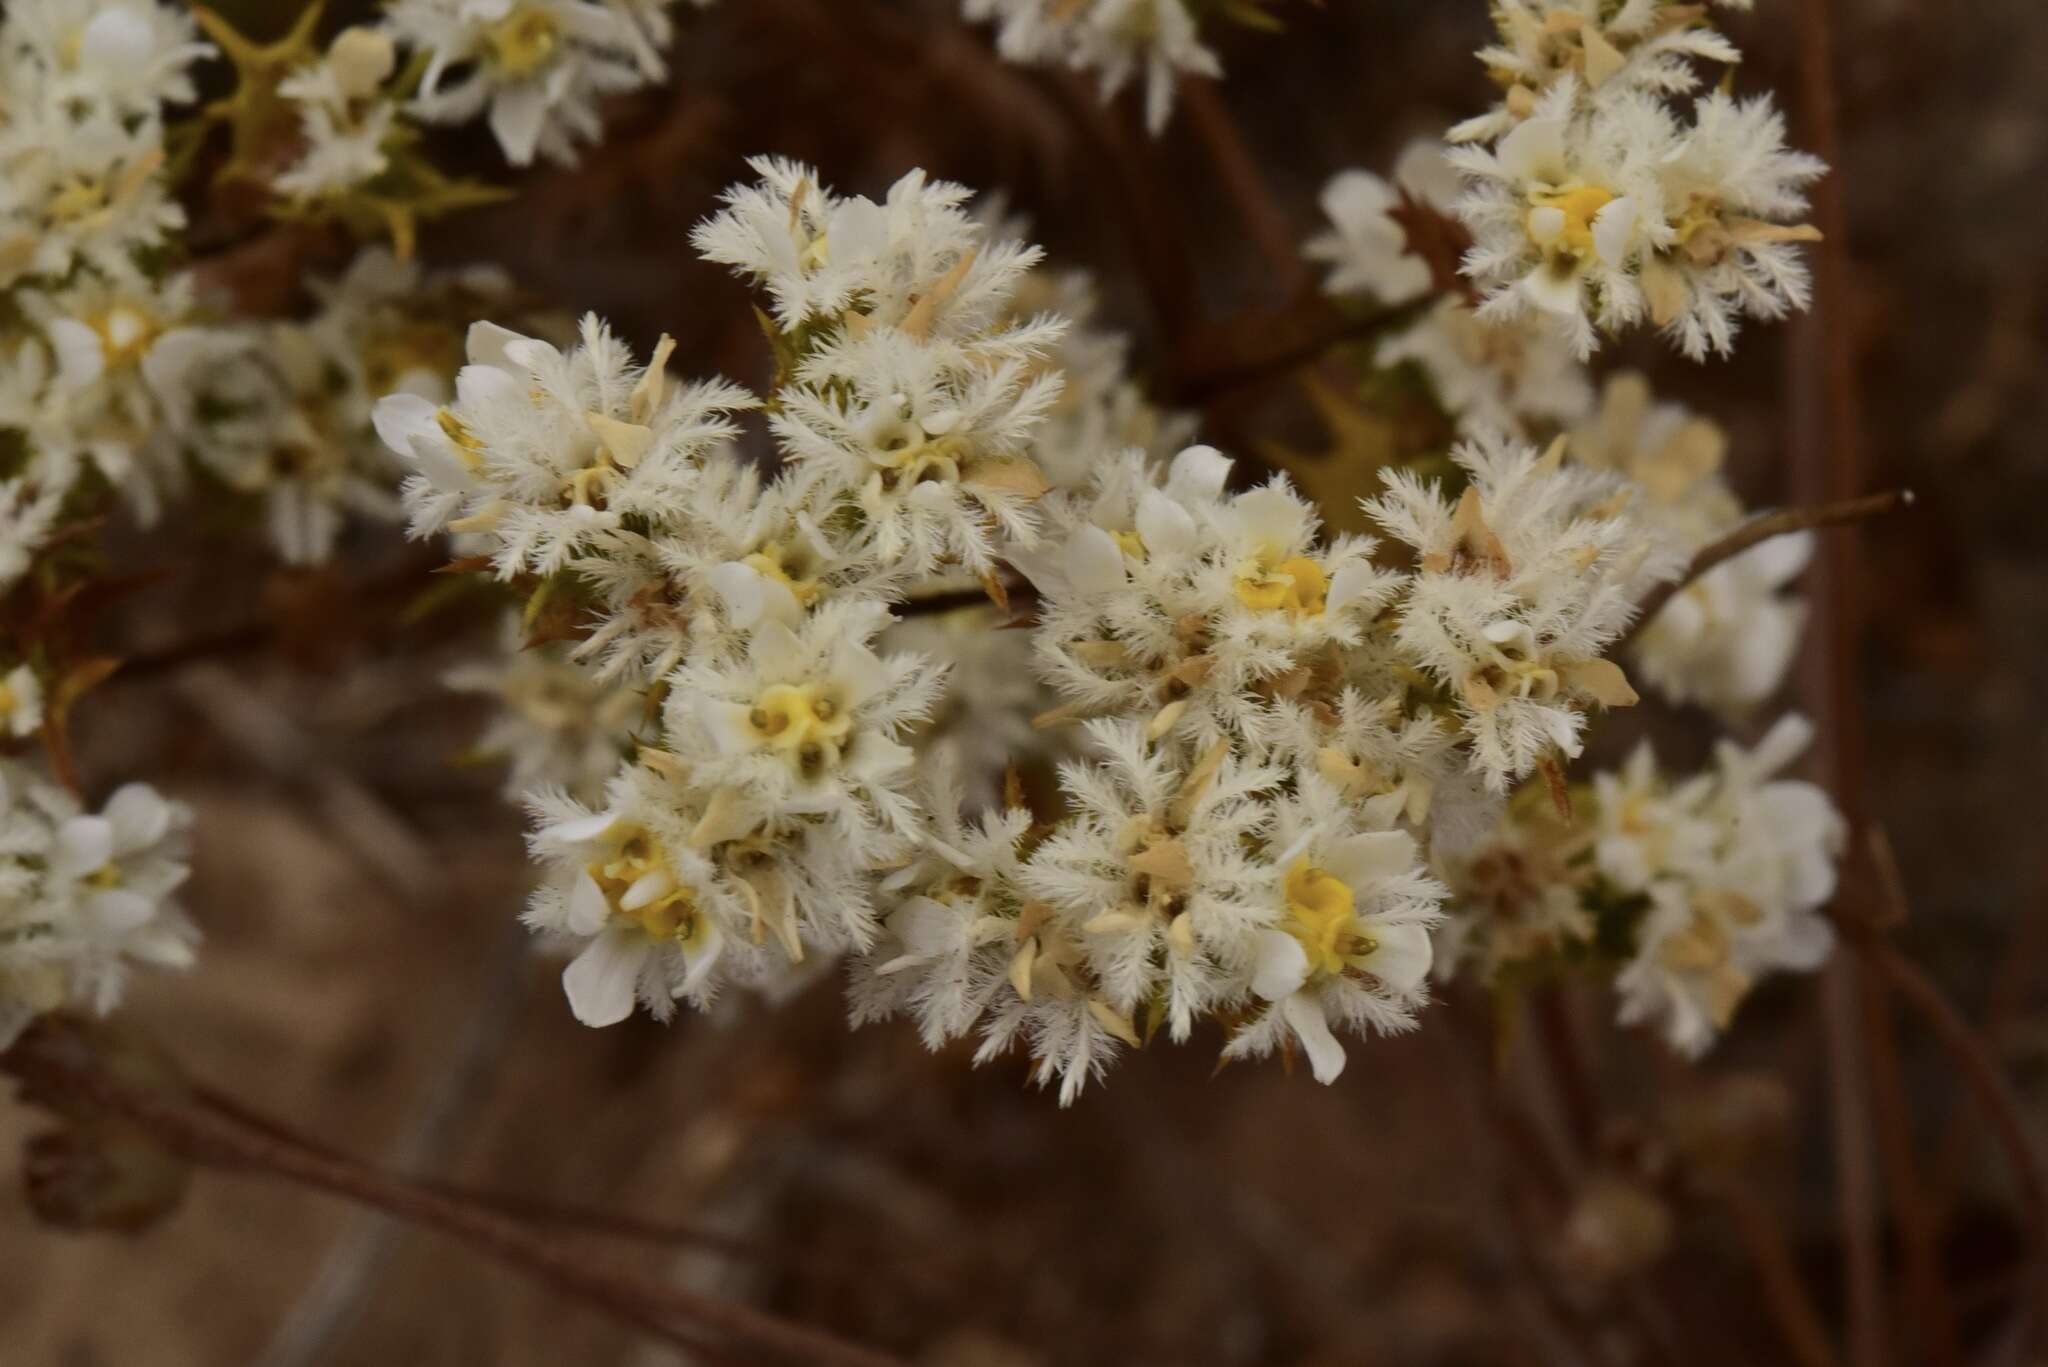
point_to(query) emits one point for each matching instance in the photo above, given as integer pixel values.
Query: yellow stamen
(802, 720)
(523, 41)
(468, 449)
(1321, 913)
(1296, 586)
(1580, 206)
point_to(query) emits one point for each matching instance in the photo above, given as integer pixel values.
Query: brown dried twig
(1758, 530)
(58, 1059)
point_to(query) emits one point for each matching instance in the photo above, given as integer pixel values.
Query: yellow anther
(1297, 586)
(800, 719)
(468, 449)
(523, 41)
(1580, 206)
(1321, 915)
(772, 562)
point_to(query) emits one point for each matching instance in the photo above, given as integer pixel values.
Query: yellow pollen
(106, 877)
(468, 449)
(1580, 206)
(802, 720)
(1132, 544)
(1297, 586)
(523, 41)
(1321, 914)
(771, 563)
(671, 916)
(125, 335)
(80, 199)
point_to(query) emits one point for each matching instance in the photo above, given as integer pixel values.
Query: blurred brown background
(365, 977)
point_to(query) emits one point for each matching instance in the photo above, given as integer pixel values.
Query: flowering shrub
(1301, 774)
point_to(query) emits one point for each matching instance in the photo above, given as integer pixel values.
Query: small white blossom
(84, 895)
(1117, 39)
(537, 66)
(1520, 587)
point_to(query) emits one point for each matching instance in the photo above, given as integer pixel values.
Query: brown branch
(1249, 192)
(1994, 1093)
(58, 1061)
(1259, 345)
(1755, 532)
(1919, 1222)
(1578, 1093)
(1158, 250)
(1785, 1295)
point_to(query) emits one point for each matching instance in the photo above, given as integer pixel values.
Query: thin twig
(1927, 1303)
(1577, 1091)
(1986, 1080)
(1241, 177)
(1158, 250)
(1758, 530)
(1792, 1309)
(58, 1061)
(1827, 464)
(1259, 345)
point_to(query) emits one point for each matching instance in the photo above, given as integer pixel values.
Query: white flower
(1347, 934)
(651, 918)
(1727, 638)
(546, 451)
(1150, 880)
(1732, 194)
(1520, 588)
(72, 193)
(1750, 905)
(1200, 611)
(557, 726)
(118, 57)
(82, 896)
(1115, 38)
(344, 115)
(1563, 210)
(538, 65)
(983, 721)
(1366, 247)
(98, 402)
(1606, 50)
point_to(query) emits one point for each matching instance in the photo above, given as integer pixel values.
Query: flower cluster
(1727, 638)
(85, 90)
(1116, 39)
(1693, 889)
(1274, 734)
(535, 69)
(1485, 372)
(1596, 201)
(84, 895)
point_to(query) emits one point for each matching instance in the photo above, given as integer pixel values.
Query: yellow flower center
(803, 721)
(523, 41)
(1580, 205)
(125, 334)
(78, 200)
(105, 878)
(1131, 544)
(908, 455)
(1321, 913)
(772, 561)
(672, 915)
(1702, 952)
(1296, 586)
